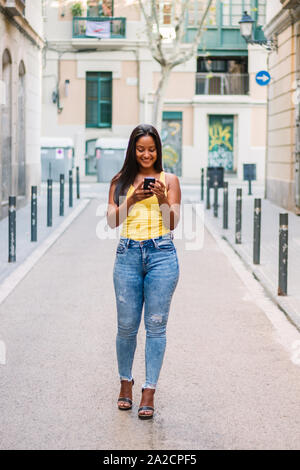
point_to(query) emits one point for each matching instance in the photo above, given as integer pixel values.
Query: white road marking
(285, 333)
(14, 278)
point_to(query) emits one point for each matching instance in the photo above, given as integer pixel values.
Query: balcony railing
(104, 27)
(222, 84)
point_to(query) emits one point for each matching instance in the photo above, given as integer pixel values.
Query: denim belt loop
(154, 242)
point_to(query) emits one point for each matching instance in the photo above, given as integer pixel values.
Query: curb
(9, 284)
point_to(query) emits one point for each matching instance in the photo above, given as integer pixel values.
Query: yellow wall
(123, 94)
(74, 105)
(130, 10)
(281, 126)
(64, 8)
(258, 127)
(183, 81)
(125, 99)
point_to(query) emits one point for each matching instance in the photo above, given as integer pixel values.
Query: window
(100, 8)
(98, 99)
(196, 10)
(261, 16)
(232, 11)
(222, 65)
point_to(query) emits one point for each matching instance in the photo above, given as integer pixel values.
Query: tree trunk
(158, 101)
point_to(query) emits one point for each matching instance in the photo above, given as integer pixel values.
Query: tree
(173, 51)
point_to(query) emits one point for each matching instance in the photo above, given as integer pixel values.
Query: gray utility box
(57, 156)
(110, 155)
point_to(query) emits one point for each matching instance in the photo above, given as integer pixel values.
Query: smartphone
(147, 181)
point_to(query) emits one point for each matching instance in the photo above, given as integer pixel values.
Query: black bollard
(202, 184)
(207, 192)
(61, 193)
(49, 203)
(33, 213)
(238, 217)
(70, 188)
(77, 182)
(11, 229)
(216, 191)
(225, 205)
(249, 188)
(257, 231)
(49, 170)
(283, 254)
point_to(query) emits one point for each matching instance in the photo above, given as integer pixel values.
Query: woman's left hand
(158, 188)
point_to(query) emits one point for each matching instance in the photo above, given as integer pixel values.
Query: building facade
(21, 46)
(214, 111)
(283, 143)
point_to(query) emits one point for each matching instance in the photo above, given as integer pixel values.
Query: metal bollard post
(202, 184)
(225, 205)
(11, 229)
(61, 193)
(207, 193)
(216, 197)
(283, 253)
(70, 188)
(257, 231)
(33, 213)
(77, 182)
(49, 169)
(249, 188)
(49, 203)
(238, 217)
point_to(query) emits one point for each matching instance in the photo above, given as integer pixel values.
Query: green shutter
(98, 99)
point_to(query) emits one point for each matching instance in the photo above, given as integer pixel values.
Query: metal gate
(221, 140)
(171, 137)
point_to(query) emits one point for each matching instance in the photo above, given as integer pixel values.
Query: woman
(146, 268)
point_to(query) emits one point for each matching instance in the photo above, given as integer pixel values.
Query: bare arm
(170, 204)
(117, 214)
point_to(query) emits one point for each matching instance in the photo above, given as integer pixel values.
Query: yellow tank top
(144, 220)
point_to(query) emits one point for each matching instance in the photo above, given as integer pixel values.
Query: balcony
(104, 27)
(222, 84)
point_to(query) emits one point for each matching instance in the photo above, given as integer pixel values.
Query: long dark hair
(130, 168)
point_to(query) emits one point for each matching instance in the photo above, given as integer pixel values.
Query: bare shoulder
(171, 180)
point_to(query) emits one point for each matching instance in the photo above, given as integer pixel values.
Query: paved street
(227, 381)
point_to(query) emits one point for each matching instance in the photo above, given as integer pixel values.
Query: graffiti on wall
(221, 142)
(171, 137)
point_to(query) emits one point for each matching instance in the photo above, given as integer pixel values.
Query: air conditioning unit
(15, 7)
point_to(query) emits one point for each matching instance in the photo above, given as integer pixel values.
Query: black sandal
(126, 400)
(146, 408)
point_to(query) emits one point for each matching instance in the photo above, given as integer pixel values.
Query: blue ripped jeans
(145, 273)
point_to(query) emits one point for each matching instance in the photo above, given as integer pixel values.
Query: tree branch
(193, 50)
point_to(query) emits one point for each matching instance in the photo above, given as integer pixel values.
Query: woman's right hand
(140, 193)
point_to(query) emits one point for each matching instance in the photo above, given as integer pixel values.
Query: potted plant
(77, 9)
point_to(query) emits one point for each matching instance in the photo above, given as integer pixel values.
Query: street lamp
(246, 29)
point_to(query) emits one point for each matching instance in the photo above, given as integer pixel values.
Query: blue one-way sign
(263, 78)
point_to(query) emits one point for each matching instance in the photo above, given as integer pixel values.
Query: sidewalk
(24, 245)
(267, 271)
